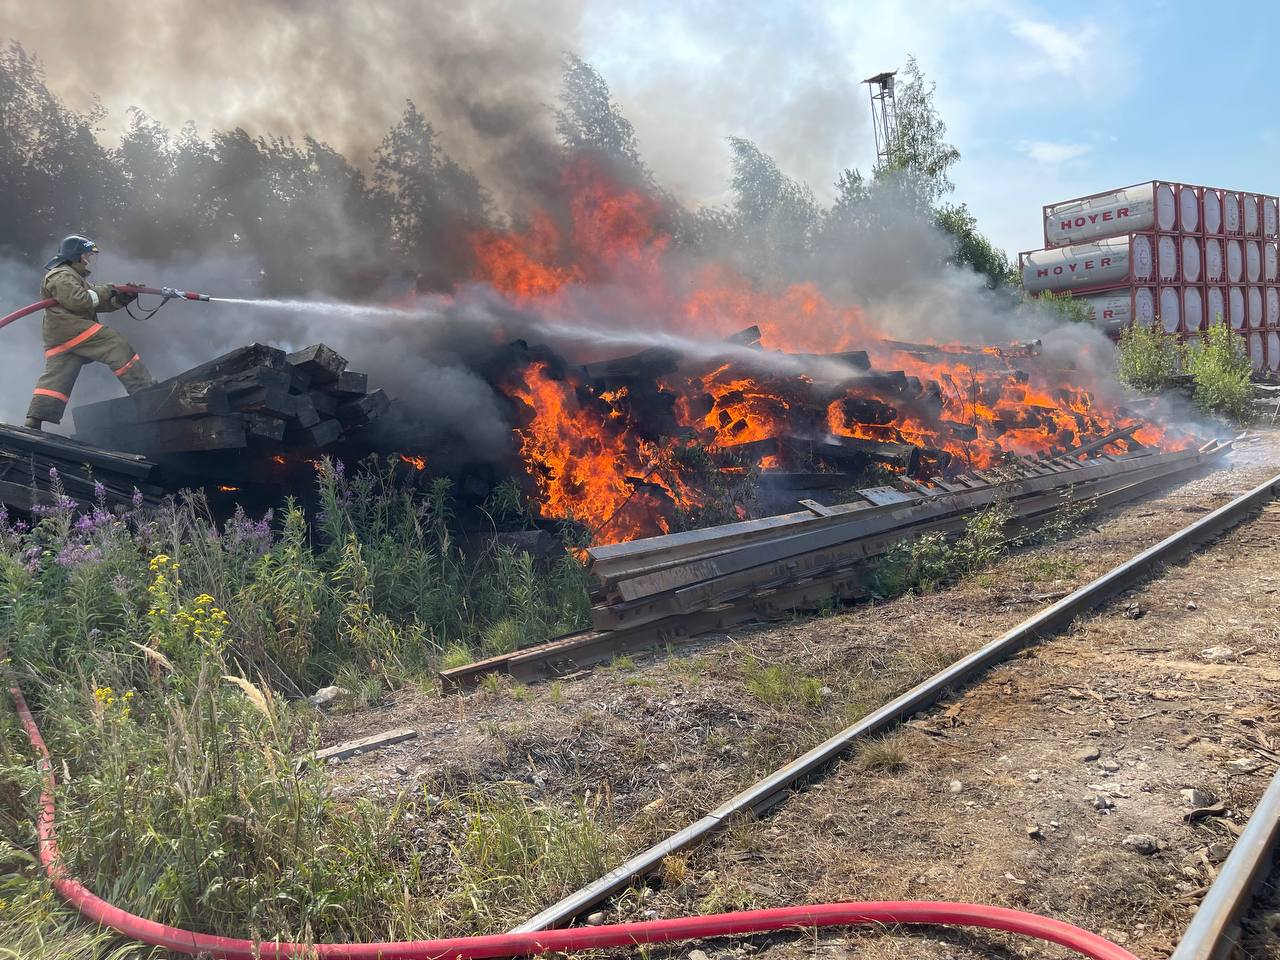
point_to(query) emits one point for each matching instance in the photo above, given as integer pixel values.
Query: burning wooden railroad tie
(256, 397)
(672, 588)
(28, 456)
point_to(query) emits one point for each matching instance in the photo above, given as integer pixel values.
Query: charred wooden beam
(322, 434)
(259, 426)
(326, 404)
(854, 450)
(322, 364)
(183, 436)
(647, 364)
(237, 361)
(750, 337)
(357, 413)
(350, 385)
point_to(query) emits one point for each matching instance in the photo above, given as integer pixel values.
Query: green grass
(780, 685)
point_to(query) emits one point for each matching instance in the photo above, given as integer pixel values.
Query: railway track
(1215, 928)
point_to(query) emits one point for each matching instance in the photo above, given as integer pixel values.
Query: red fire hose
(169, 293)
(543, 941)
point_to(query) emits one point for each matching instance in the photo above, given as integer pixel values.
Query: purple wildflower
(75, 554)
(99, 491)
(137, 498)
(53, 473)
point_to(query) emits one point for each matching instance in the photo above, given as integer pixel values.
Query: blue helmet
(71, 249)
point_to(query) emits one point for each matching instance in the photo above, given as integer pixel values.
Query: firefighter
(73, 336)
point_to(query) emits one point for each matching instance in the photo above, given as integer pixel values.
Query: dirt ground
(1057, 784)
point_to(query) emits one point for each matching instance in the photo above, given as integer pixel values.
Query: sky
(1044, 101)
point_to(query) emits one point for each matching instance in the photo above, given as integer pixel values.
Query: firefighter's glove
(124, 297)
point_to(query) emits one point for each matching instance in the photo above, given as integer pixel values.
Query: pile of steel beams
(671, 588)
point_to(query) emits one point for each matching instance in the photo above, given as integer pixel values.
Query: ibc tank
(1213, 259)
(1190, 258)
(1256, 316)
(1112, 309)
(1170, 309)
(1167, 257)
(1111, 214)
(1100, 264)
(1212, 211)
(1231, 211)
(1192, 308)
(1270, 217)
(1189, 209)
(1251, 221)
(1235, 306)
(1235, 261)
(1216, 305)
(1270, 261)
(1253, 261)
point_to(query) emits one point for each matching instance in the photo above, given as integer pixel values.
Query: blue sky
(1044, 101)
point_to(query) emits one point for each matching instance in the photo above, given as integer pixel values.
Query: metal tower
(884, 112)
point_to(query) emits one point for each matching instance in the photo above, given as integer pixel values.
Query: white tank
(1170, 309)
(1143, 207)
(1192, 308)
(1235, 261)
(1212, 201)
(1144, 306)
(1114, 308)
(1189, 209)
(1273, 349)
(1255, 350)
(1101, 264)
(1216, 304)
(1231, 211)
(1167, 257)
(1252, 223)
(1253, 261)
(1256, 316)
(1213, 266)
(1270, 261)
(1235, 306)
(1190, 259)
(1270, 217)
(1273, 307)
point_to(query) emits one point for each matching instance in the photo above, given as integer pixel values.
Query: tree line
(314, 222)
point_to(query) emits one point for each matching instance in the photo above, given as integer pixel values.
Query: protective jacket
(73, 337)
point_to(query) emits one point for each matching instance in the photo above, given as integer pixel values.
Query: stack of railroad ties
(256, 397)
(671, 588)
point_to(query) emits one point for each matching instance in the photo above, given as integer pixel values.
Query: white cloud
(1065, 52)
(1052, 153)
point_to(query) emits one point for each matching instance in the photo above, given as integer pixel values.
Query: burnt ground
(1055, 784)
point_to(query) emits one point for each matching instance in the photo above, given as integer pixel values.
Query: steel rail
(1214, 930)
(774, 788)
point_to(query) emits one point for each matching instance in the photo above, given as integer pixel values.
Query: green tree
(775, 216)
(917, 147)
(432, 196)
(589, 119)
(972, 249)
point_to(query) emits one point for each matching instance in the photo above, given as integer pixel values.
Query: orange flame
(590, 453)
(418, 463)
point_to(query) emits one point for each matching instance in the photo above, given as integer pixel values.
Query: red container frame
(1137, 281)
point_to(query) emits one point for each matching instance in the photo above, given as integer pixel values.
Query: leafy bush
(1220, 371)
(1148, 359)
(1064, 306)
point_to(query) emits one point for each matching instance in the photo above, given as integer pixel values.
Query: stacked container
(1171, 253)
